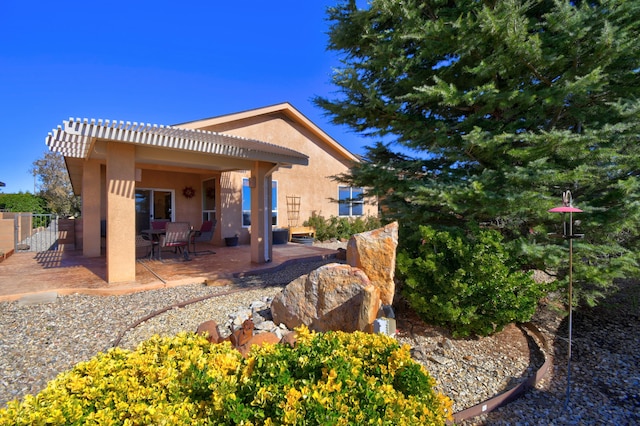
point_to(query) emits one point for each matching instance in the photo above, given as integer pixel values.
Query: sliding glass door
(153, 204)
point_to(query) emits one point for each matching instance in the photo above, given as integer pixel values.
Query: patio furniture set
(177, 235)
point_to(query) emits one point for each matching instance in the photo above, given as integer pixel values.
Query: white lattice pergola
(76, 137)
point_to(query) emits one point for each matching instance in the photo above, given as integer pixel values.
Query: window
(246, 202)
(209, 199)
(351, 201)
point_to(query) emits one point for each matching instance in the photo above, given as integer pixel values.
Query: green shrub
(467, 282)
(341, 228)
(331, 378)
(23, 202)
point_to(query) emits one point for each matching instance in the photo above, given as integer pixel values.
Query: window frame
(247, 212)
(209, 214)
(351, 203)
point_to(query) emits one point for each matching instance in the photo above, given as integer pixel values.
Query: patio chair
(177, 235)
(159, 224)
(204, 235)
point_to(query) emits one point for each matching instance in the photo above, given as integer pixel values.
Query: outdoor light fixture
(567, 233)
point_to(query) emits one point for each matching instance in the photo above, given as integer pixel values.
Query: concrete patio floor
(68, 272)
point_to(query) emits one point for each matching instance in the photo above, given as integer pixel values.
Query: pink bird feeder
(565, 209)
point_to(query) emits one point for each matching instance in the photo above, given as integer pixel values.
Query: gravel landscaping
(39, 341)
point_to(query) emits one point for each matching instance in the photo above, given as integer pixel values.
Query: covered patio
(108, 162)
(69, 272)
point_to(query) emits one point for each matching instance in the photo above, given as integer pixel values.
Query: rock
(242, 336)
(210, 330)
(387, 311)
(289, 339)
(418, 354)
(278, 332)
(38, 298)
(240, 317)
(375, 253)
(447, 344)
(441, 360)
(368, 309)
(265, 325)
(333, 297)
(258, 305)
(264, 314)
(258, 340)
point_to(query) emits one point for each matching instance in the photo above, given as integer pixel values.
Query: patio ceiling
(165, 145)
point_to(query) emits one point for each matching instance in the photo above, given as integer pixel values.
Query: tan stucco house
(240, 169)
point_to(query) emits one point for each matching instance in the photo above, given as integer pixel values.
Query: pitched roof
(284, 108)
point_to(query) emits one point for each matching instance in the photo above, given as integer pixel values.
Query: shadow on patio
(68, 272)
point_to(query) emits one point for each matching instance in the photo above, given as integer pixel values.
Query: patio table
(154, 236)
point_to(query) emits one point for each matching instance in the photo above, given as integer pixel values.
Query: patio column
(91, 239)
(261, 248)
(121, 226)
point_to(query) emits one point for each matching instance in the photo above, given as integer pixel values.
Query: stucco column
(91, 239)
(121, 209)
(261, 245)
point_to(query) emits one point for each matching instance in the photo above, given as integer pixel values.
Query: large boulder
(374, 252)
(332, 297)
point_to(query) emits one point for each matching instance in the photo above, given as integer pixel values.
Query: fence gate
(36, 232)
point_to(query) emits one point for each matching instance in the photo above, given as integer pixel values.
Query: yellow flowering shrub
(328, 378)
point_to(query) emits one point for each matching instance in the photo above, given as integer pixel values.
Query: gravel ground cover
(605, 367)
(39, 341)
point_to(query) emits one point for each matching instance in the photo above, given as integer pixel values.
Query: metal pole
(567, 207)
(566, 404)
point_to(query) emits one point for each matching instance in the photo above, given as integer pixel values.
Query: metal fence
(36, 232)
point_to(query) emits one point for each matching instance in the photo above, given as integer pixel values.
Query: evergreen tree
(490, 110)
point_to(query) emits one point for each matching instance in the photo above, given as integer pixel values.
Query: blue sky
(159, 62)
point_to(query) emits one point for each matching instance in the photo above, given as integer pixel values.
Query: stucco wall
(6, 235)
(24, 224)
(8, 231)
(312, 183)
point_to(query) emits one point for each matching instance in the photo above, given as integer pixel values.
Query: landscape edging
(515, 392)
